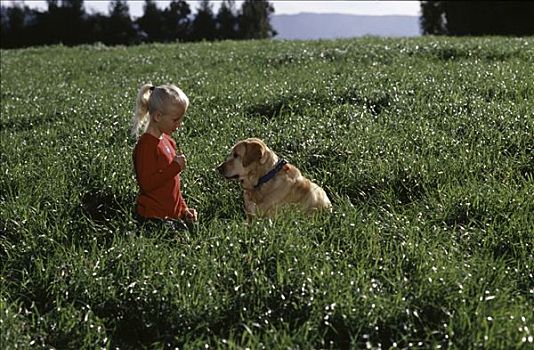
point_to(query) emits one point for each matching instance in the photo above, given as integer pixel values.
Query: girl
(158, 112)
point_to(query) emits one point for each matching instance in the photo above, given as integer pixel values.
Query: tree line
(67, 22)
(459, 18)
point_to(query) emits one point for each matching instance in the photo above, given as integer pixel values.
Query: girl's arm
(150, 176)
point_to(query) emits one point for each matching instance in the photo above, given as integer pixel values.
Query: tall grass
(424, 145)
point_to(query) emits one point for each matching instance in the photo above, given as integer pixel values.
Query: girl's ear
(156, 116)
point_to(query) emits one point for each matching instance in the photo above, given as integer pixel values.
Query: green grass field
(424, 145)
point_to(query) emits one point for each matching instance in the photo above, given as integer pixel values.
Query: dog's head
(245, 159)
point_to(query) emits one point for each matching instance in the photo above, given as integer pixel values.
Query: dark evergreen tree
(50, 23)
(4, 25)
(66, 22)
(13, 26)
(477, 17)
(227, 21)
(97, 24)
(177, 22)
(152, 22)
(203, 27)
(16, 15)
(73, 28)
(432, 18)
(254, 22)
(119, 28)
(52, 4)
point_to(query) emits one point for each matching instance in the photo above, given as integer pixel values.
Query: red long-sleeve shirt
(158, 177)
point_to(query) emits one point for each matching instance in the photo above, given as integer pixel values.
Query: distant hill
(331, 26)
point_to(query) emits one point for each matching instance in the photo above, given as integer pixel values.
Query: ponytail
(139, 119)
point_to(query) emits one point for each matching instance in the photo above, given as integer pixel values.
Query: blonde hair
(151, 99)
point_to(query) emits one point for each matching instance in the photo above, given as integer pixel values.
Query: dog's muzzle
(220, 169)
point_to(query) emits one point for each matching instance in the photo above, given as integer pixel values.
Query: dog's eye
(235, 155)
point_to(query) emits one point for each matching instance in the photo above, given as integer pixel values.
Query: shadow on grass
(398, 330)
(102, 206)
(143, 325)
(404, 187)
(375, 103)
(464, 53)
(30, 122)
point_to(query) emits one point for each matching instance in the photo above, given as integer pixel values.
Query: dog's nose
(220, 168)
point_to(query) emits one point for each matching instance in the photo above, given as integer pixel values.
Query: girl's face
(171, 120)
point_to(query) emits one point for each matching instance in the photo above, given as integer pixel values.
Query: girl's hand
(191, 214)
(180, 159)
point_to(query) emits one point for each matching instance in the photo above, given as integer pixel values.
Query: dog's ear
(253, 151)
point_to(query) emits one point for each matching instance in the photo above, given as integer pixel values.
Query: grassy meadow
(424, 145)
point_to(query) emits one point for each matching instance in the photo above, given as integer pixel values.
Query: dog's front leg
(250, 207)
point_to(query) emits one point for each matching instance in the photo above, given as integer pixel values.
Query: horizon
(369, 8)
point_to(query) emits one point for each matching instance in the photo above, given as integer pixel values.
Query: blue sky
(410, 8)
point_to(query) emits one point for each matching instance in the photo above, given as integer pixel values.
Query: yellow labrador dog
(269, 182)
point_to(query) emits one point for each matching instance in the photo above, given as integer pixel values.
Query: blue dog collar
(271, 173)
